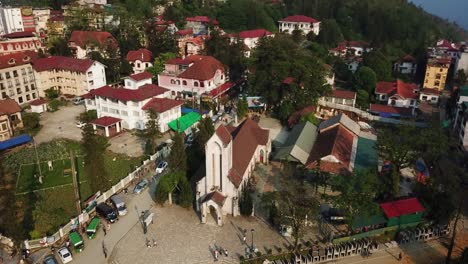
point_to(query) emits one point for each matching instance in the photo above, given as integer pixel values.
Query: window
(90, 74)
(10, 84)
(18, 90)
(184, 83)
(135, 103)
(34, 95)
(124, 113)
(91, 82)
(424, 97)
(202, 84)
(33, 87)
(25, 80)
(178, 82)
(195, 84)
(15, 73)
(4, 95)
(23, 71)
(4, 126)
(136, 113)
(2, 87)
(104, 109)
(20, 99)
(138, 65)
(17, 82)
(173, 81)
(7, 74)
(28, 97)
(1, 76)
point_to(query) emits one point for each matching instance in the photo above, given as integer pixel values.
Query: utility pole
(37, 160)
(76, 188)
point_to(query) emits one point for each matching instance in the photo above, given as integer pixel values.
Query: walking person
(216, 254)
(400, 256)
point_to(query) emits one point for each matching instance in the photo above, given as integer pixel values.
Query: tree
(158, 64)
(59, 47)
(310, 117)
(166, 186)
(88, 116)
(242, 107)
(160, 41)
(151, 131)
(196, 152)
(380, 64)
(51, 93)
(460, 77)
(365, 79)
(94, 147)
(185, 193)
(356, 194)
(245, 201)
(296, 205)
(31, 123)
(330, 33)
(362, 98)
(298, 36)
(177, 158)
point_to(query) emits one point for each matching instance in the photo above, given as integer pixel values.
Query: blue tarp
(13, 142)
(186, 110)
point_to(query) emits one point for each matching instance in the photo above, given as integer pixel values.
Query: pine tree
(177, 158)
(151, 131)
(94, 147)
(185, 193)
(245, 202)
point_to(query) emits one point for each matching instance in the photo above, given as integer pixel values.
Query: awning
(184, 122)
(105, 121)
(13, 142)
(221, 89)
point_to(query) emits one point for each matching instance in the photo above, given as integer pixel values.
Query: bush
(88, 116)
(31, 123)
(52, 93)
(54, 105)
(245, 202)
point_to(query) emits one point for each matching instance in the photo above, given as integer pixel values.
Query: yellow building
(436, 73)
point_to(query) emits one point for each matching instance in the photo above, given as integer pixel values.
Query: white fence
(84, 216)
(367, 115)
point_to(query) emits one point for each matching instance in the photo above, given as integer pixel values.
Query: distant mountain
(453, 10)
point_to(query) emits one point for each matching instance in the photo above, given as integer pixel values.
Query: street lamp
(252, 231)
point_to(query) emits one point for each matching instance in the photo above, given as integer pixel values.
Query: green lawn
(118, 167)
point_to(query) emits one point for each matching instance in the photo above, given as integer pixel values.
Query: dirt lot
(60, 124)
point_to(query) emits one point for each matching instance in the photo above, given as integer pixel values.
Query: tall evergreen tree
(151, 131)
(177, 158)
(94, 147)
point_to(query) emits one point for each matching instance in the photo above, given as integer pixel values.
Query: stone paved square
(182, 238)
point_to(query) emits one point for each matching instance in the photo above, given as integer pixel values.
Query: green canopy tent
(92, 228)
(76, 241)
(184, 122)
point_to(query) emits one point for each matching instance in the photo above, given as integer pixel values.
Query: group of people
(149, 244)
(219, 251)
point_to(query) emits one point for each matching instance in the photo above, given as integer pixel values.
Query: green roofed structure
(366, 154)
(185, 122)
(299, 143)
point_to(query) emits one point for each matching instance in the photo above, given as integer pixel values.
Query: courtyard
(181, 238)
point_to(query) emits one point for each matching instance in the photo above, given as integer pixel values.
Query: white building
(406, 65)
(20, 42)
(17, 80)
(231, 156)
(41, 17)
(68, 75)
(92, 2)
(429, 95)
(351, 49)
(250, 38)
(10, 20)
(127, 106)
(303, 23)
(398, 94)
(463, 62)
(140, 60)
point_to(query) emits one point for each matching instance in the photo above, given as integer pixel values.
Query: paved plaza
(60, 124)
(181, 238)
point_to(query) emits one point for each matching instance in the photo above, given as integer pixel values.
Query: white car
(65, 255)
(80, 124)
(161, 167)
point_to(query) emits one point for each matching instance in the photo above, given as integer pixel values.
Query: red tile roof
(22, 34)
(161, 105)
(82, 38)
(246, 138)
(430, 91)
(203, 68)
(141, 76)
(216, 197)
(16, 59)
(221, 89)
(337, 141)
(62, 63)
(88, 96)
(201, 19)
(105, 121)
(9, 106)
(288, 80)
(343, 94)
(143, 92)
(185, 32)
(255, 33)
(404, 90)
(299, 18)
(143, 55)
(38, 102)
(224, 134)
(391, 109)
(330, 167)
(408, 58)
(402, 207)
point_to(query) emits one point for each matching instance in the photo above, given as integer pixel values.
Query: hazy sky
(454, 10)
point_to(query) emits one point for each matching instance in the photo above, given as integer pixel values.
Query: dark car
(50, 259)
(105, 211)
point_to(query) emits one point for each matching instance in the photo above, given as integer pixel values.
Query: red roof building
(62, 63)
(17, 59)
(9, 106)
(123, 94)
(299, 18)
(142, 55)
(161, 105)
(141, 76)
(299, 22)
(389, 111)
(83, 42)
(402, 207)
(398, 93)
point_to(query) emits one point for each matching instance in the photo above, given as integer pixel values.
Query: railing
(85, 216)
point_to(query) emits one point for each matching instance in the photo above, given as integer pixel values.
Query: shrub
(52, 93)
(54, 105)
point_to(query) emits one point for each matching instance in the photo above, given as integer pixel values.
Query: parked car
(161, 167)
(80, 124)
(105, 211)
(50, 259)
(78, 100)
(140, 186)
(189, 140)
(119, 203)
(65, 255)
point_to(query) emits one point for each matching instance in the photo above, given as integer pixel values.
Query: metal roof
(299, 143)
